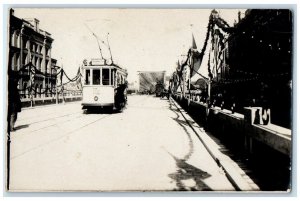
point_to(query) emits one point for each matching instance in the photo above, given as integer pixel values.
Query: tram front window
(96, 77)
(87, 77)
(105, 76)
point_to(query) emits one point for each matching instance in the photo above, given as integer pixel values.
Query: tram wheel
(110, 109)
(120, 107)
(86, 110)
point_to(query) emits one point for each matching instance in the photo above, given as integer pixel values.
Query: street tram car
(104, 85)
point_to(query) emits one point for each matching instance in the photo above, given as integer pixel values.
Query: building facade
(28, 43)
(257, 62)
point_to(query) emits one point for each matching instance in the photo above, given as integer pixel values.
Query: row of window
(27, 44)
(36, 61)
(104, 76)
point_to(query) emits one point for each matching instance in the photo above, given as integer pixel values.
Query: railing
(241, 126)
(43, 99)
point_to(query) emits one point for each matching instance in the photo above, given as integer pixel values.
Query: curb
(234, 173)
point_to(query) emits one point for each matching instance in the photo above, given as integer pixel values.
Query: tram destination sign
(97, 62)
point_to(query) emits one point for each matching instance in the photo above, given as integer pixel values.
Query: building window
(12, 37)
(16, 39)
(17, 60)
(24, 59)
(48, 67)
(36, 63)
(40, 90)
(47, 62)
(40, 64)
(13, 62)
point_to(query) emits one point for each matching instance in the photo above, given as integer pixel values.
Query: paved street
(147, 147)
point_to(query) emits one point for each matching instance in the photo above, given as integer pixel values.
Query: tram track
(48, 126)
(63, 115)
(73, 131)
(81, 116)
(55, 117)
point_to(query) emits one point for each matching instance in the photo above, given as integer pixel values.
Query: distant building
(27, 42)
(73, 88)
(149, 79)
(132, 87)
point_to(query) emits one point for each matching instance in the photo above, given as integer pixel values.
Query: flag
(194, 46)
(196, 62)
(78, 81)
(32, 69)
(178, 66)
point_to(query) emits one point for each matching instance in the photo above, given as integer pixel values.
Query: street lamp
(62, 86)
(56, 94)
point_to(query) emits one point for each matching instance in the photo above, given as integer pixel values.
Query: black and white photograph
(149, 99)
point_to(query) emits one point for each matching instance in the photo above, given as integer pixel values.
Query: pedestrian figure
(214, 103)
(14, 103)
(233, 108)
(265, 116)
(222, 105)
(120, 96)
(257, 117)
(265, 97)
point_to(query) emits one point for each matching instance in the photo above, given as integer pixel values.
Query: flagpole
(191, 61)
(194, 46)
(191, 71)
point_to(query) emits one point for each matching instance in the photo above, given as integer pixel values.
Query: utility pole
(56, 94)
(32, 75)
(184, 80)
(191, 71)
(183, 77)
(191, 59)
(209, 87)
(62, 86)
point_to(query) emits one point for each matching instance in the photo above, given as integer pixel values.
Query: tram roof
(104, 66)
(102, 63)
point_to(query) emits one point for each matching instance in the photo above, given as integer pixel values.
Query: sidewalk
(235, 174)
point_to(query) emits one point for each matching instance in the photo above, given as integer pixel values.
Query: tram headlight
(96, 98)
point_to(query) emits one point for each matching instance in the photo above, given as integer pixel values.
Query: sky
(140, 39)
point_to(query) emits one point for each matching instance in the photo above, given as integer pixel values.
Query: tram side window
(87, 77)
(112, 75)
(96, 77)
(118, 79)
(105, 76)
